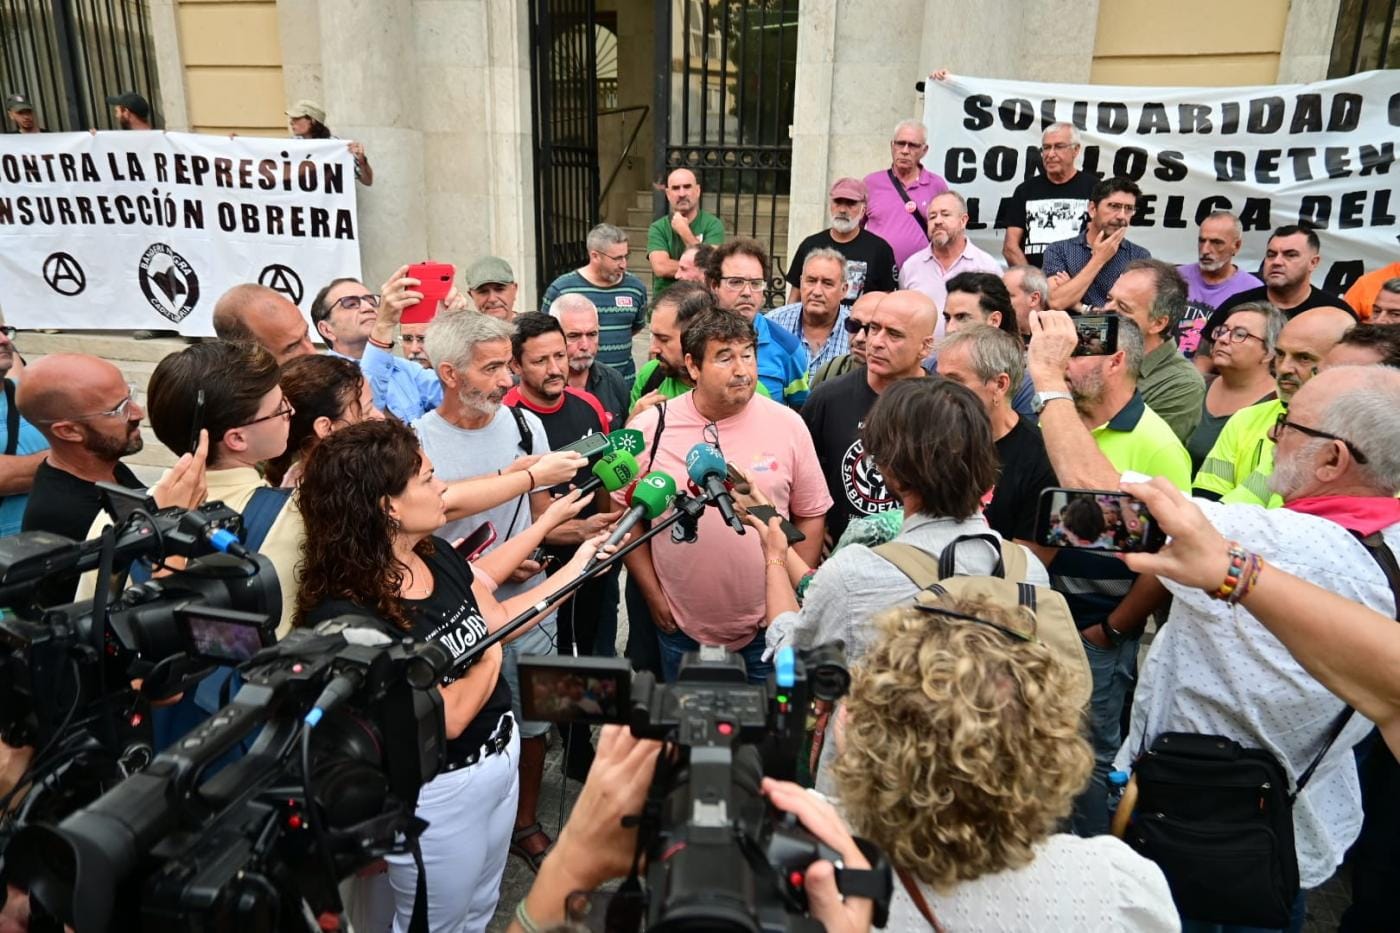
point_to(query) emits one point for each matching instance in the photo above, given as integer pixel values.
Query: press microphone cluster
(705, 466)
(650, 499)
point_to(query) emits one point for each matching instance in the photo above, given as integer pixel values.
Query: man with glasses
(24, 443)
(1240, 464)
(618, 297)
(684, 228)
(738, 274)
(899, 196)
(1083, 268)
(1049, 206)
(414, 338)
(869, 260)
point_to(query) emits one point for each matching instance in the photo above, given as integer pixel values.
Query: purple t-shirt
(888, 217)
(1202, 299)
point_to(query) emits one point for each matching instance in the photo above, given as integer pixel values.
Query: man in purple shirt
(1214, 278)
(949, 252)
(900, 218)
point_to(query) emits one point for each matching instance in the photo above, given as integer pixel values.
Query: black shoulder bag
(11, 419)
(917, 214)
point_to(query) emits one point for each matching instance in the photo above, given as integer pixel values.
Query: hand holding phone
(1098, 334)
(1096, 519)
(766, 513)
(475, 544)
(434, 282)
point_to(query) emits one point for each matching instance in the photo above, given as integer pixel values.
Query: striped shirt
(622, 311)
(838, 342)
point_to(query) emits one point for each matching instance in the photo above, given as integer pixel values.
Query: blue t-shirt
(30, 442)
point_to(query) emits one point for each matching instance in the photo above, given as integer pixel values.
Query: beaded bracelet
(1240, 577)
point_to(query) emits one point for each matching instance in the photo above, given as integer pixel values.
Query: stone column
(172, 108)
(1307, 41)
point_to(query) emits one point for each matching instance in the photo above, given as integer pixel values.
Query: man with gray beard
(870, 265)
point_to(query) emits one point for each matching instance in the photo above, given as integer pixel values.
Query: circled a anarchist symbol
(282, 279)
(64, 274)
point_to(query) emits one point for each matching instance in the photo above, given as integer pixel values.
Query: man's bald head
(1360, 407)
(900, 336)
(76, 400)
(256, 314)
(1303, 344)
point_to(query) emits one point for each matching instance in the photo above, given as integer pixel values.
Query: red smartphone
(434, 281)
(473, 545)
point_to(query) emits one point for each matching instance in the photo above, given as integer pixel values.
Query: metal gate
(564, 94)
(726, 99)
(68, 56)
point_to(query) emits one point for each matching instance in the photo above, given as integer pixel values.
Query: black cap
(133, 102)
(18, 103)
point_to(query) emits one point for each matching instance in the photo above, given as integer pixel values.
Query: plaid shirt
(789, 317)
(1073, 255)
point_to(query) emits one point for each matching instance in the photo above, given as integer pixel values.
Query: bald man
(257, 314)
(900, 335)
(684, 227)
(91, 419)
(1239, 466)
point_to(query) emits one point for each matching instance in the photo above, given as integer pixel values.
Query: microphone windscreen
(655, 491)
(616, 469)
(704, 460)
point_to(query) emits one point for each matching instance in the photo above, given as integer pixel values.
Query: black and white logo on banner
(64, 274)
(282, 279)
(169, 282)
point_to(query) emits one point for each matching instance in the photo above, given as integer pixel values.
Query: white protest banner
(1321, 153)
(128, 230)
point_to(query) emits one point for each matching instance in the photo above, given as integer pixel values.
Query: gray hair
(1274, 320)
(453, 338)
(573, 301)
(1032, 280)
(1073, 132)
(1236, 228)
(911, 124)
(1130, 343)
(1389, 285)
(603, 236)
(827, 253)
(1170, 301)
(1369, 417)
(991, 350)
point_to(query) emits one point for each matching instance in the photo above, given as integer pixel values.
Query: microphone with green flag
(629, 440)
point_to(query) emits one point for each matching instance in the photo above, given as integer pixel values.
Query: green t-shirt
(1137, 439)
(1239, 466)
(669, 386)
(660, 236)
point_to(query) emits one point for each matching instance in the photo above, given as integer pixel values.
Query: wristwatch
(1115, 637)
(1044, 398)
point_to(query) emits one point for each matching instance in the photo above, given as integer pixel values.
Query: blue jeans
(1112, 670)
(675, 645)
(1295, 922)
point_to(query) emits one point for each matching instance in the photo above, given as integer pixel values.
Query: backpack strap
(654, 380)
(527, 437)
(1011, 561)
(11, 419)
(918, 565)
(917, 896)
(261, 513)
(916, 214)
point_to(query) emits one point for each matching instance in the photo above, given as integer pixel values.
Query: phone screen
(1098, 334)
(1097, 520)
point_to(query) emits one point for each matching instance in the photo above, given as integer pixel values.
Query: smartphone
(222, 635)
(434, 281)
(542, 557)
(1098, 335)
(564, 689)
(197, 422)
(473, 545)
(590, 445)
(764, 512)
(1097, 520)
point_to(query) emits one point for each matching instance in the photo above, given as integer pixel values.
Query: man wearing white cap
(307, 120)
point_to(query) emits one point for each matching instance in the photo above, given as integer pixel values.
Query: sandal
(531, 859)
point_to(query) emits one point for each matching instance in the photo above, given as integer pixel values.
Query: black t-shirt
(1317, 298)
(870, 265)
(64, 504)
(451, 618)
(835, 413)
(1048, 212)
(1025, 471)
(574, 418)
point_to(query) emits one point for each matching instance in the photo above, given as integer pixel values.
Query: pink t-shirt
(888, 217)
(714, 585)
(922, 273)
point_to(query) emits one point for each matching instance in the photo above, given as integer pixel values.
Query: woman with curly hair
(327, 392)
(961, 752)
(371, 505)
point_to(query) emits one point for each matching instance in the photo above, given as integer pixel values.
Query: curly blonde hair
(962, 745)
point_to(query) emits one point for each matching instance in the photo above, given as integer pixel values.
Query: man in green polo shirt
(1238, 467)
(685, 226)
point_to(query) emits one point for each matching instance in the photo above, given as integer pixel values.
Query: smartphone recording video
(1098, 334)
(1096, 520)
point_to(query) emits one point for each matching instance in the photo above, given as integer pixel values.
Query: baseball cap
(489, 269)
(849, 189)
(18, 103)
(133, 102)
(309, 109)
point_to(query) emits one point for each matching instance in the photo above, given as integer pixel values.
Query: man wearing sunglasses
(24, 444)
(1240, 464)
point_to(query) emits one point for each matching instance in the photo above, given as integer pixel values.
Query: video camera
(265, 840)
(719, 857)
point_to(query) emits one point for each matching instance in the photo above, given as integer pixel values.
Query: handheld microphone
(628, 440)
(613, 471)
(651, 497)
(705, 467)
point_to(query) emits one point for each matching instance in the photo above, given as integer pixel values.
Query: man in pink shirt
(711, 591)
(949, 253)
(900, 218)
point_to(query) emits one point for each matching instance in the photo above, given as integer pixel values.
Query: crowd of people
(902, 413)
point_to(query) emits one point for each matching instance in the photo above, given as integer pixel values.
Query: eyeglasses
(120, 410)
(8, 331)
(413, 338)
(1026, 634)
(622, 258)
(1113, 208)
(711, 434)
(906, 144)
(285, 410)
(1057, 147)
(854, 327)
(1236, 334)
(736, 284)
(353, 302)
(1282, 422)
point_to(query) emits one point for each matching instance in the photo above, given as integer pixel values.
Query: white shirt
(1215, 669)
(1096, 884)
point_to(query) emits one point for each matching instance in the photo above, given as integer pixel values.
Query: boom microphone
(613, 471)
(705, 466)
(651, 497)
